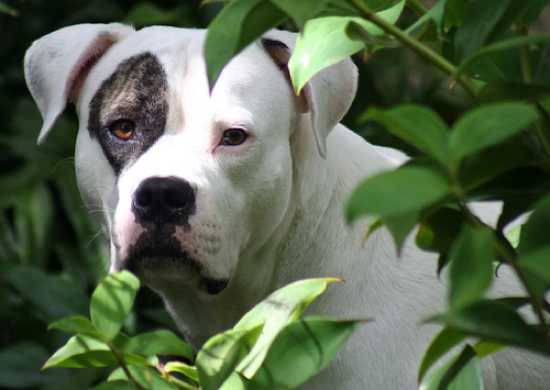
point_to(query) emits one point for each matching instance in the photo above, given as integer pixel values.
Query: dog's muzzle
(160, 205)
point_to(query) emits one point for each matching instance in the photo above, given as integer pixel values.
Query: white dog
(215, 200)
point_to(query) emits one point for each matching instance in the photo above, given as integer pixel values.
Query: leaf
(276, 311)
(487, 126)
(463, 371)
(237, 25)
(434, 14)
(300, 11)
(508, 44)
(111, 302)
(416, 125)
(147, 377)
(400, 226)
(4, 8)
(471, 269)
(496, 322)
(76, 324)
(439, 229)
(182, 368)
(538, 262)
(220, 355)
(534, 235)
(382, 195)
(81, 351)
(478, 22)
(509, 91)
(301, 350)
(20, 365)
(324, 42)
(440, 345)
(115, 385)
(52, 295)
(159, 342)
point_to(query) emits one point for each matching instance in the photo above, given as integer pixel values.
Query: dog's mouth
(169, 262)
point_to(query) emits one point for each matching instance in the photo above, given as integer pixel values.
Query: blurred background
(51, 252)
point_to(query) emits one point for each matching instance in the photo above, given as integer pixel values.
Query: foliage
(474, 79)
(487, 50)
(261, 351)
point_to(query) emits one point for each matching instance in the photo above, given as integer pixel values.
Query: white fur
(268, 213)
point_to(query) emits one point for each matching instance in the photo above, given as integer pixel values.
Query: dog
(216, 198)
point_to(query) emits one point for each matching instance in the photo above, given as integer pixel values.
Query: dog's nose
(164, 200)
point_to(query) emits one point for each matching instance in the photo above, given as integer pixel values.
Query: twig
(124, 367)
(415, 45)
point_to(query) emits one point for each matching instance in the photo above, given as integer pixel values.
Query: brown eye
(123, 129)
(234, 137)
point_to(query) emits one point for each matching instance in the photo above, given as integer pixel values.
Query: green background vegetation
(52, 254)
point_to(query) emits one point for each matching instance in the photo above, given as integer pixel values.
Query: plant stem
(120, 359)
(512, 260)
(415, 45)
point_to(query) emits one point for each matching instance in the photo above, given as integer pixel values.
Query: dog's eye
(123, 129)
(234, 137)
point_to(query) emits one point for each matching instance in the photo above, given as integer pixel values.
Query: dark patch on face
(157, 249)
(156, 245)
(137, 91)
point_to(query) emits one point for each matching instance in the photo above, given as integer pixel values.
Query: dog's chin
(166, 270)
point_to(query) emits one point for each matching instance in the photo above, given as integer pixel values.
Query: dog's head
(189, 182)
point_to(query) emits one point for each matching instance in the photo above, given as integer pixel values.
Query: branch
(415, 45)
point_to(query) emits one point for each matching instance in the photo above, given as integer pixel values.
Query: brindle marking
(136, 91)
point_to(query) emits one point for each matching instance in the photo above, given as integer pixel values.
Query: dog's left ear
(57, 64)
(327, 96)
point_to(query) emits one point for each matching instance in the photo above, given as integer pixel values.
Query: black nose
(164, 200)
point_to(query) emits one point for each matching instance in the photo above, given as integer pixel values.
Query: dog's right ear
(57, 64)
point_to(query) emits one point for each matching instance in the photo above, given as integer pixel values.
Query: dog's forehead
(167, 44)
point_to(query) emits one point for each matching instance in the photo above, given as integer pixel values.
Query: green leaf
(416, 125)
(82, 351)
(324, 42)
(496, 322)
(20, 365)
(478, 21)
(237, 25)
(159, 342)
(498, 91)
(53, 296)
(277, 310)
(508, 44)
(487, 126)
(382, 195)
(534, 236)
(300, 11)
(220, 355)
(400, 226)
(471, 269)
(115, 385)
(486, 348)
(301, 350)
(182, 368)
(4, 8)
(439, 229)
(440, 345)
(76, 324)
(147, 377)
(461, 372)
(538, 262)
(111, 302)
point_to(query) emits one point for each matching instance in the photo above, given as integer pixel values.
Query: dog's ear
(327, 96)
(57, 64)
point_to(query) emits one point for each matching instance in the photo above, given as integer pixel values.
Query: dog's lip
(149, 256)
